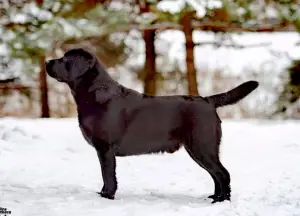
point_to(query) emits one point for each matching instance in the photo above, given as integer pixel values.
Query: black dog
(118, 121)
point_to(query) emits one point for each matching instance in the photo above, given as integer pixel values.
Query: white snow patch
(46, 168)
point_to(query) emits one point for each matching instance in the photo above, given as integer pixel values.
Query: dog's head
(74, 64)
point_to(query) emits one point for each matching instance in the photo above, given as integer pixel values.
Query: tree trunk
(149, 68)
(44, 90)
(189, 45)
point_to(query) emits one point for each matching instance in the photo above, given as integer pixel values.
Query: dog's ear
(82, 64)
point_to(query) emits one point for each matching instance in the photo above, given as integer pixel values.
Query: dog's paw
(106, 195)
(220, 198)
(214, 196)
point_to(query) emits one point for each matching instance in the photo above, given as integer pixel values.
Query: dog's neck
(88, 88)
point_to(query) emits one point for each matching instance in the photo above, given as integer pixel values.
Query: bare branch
(14, 87)
(165, 26)
(8, 81)
(233, 45)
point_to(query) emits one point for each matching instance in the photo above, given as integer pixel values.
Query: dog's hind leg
(210, 162)
(108, 168)
(204, 150)
(221, 174)
(225, 193)
(216, 183)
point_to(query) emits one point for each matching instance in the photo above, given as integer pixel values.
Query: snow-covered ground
(46, 168)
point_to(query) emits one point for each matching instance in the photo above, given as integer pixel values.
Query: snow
(46, 168)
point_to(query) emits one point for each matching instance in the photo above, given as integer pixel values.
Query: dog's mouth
(53, 75)
(49, 70)
(59, 79)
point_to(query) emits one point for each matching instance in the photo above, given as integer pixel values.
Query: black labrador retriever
(118, 121)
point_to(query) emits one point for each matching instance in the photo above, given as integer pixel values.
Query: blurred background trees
(133, 38)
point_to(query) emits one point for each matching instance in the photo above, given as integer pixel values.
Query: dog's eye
(66, 63)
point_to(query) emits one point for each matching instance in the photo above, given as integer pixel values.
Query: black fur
(118, 121)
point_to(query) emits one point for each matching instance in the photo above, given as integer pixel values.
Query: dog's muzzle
(50, 72)
(49, 65)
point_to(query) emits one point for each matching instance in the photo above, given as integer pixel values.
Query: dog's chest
(97, 129)
(86, 126)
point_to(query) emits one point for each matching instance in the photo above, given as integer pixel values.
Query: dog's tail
(233, 95)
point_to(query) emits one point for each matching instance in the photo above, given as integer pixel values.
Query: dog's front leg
(108, 168)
